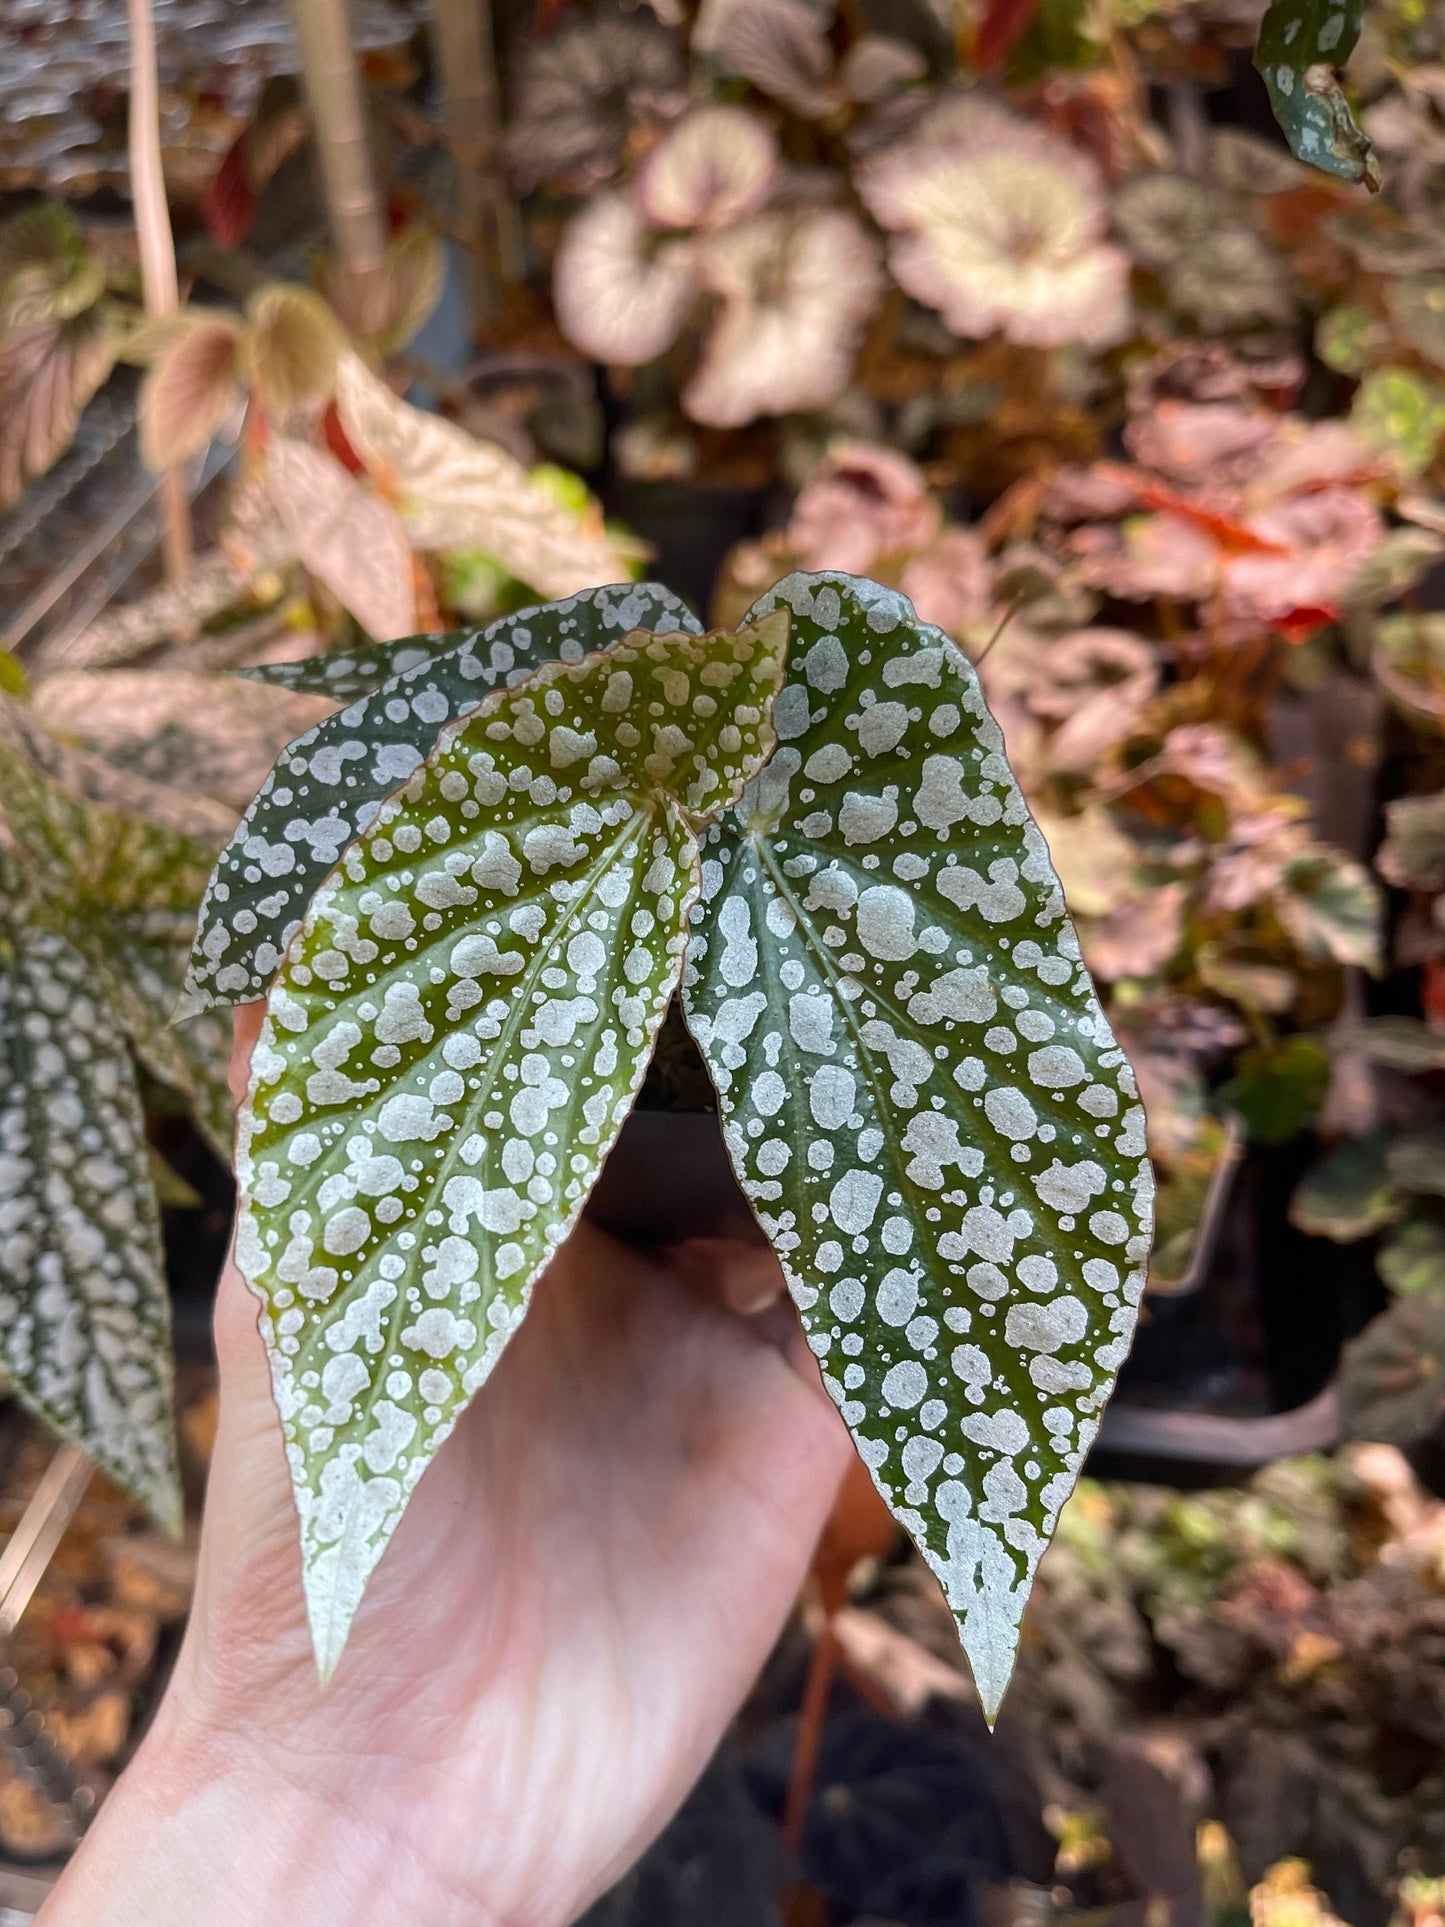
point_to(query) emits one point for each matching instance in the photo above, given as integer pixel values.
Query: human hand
(585, 1585)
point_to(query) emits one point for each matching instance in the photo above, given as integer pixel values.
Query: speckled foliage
(328, 784)
(84, 1312)
(451, 1045)
(921, 1094)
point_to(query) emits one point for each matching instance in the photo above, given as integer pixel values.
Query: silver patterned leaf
(84, 1312)
(454, 1039)
(921, 1095)
(347, 674)
(328, 784)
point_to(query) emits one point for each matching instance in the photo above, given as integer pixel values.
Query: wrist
(196, 1835)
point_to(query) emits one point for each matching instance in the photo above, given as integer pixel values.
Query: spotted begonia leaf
(921, 1095)
(84, 1312)
(1302, 46)
(451, 1045)
(328, 783)
(345, 675)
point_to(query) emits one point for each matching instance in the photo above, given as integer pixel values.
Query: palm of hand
(585, 1584)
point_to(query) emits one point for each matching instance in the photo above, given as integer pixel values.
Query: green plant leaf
(327, 785)
(47, 271)
(1392, 1377)
(1412, 1257)
(921, 1095)
(1350, 339)
(1412, 855)
(1302, 44)
(1278, 1090)
(1401, 416)
(450, 1049)
(84, 1310)
(1330, 907)
(347, 674)
(1416, 1161)
(1348, 1194)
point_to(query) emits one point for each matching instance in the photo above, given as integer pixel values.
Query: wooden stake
(333, 92)
(157, 252)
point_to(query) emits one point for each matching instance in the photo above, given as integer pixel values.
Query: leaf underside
(921, 1095)
(327, 785)
(449, 1050)
(84, 1313)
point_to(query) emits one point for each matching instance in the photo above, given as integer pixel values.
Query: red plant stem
(810, 1738)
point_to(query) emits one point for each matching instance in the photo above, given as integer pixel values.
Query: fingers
(749, 1280)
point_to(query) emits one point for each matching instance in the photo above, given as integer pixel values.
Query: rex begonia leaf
(84, 1309)
(450, 1048)
(921, 1095)
(327, 785)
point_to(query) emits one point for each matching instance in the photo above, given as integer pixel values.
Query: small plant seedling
(470, 898)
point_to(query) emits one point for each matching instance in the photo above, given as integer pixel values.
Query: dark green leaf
(1302, 44)
(1349, 1194)
(1392, 1377)
(1412, 1258)
(1279, 1091)
(327, 785)
(450, 1049)
(84, 1310)
(921, 1095)
(347, 674)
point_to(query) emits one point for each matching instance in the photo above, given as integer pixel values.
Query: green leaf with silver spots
(327, 785)
(1302, 46)
(921, 1095)
(453, 1041)
(347, 674)
(84, 1312)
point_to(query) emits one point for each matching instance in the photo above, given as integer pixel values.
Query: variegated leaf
(84, 1312)
(347, 537)
(346, 674)
(461, 494)
(123, 892)
(450, 1048)
(327, 785)
(921, 1094)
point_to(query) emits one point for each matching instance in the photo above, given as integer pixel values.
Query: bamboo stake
(157, 251)
(333, 92)
(465, 53)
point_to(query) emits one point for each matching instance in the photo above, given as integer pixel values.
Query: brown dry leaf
(192, 385)
(462, 495)
(347, 537)
(48, 372)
